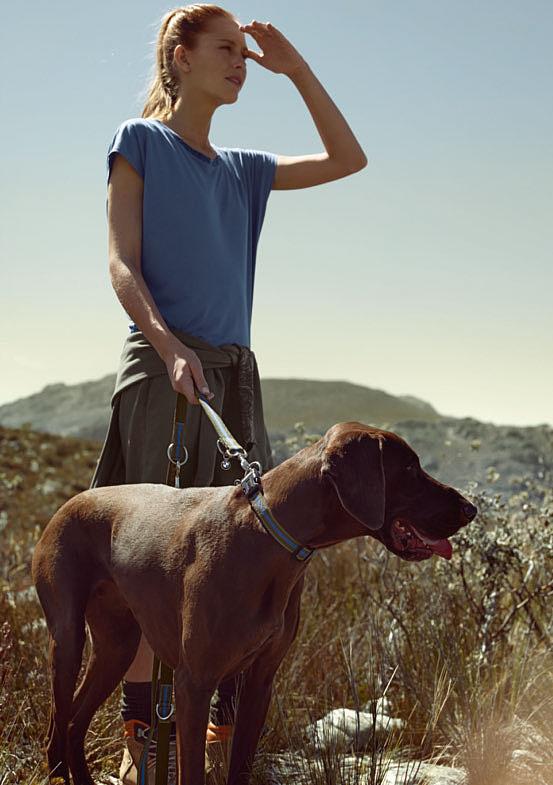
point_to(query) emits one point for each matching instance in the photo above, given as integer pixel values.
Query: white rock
(353, 770)
(415, 773)
(343, 729)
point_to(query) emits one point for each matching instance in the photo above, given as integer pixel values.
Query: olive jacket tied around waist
(143, 406)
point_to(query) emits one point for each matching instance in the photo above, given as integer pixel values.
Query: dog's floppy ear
(354, 465)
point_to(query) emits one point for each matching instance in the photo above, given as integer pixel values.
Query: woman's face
(219, 54)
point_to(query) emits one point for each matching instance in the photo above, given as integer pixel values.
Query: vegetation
(461, 649)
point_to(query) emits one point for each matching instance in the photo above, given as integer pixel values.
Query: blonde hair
(179, 26)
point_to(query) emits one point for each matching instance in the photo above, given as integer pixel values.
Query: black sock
(136, 701)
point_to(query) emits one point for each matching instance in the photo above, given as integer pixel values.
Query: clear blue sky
(427, 273)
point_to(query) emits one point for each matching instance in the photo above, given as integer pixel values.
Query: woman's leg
(141, 667)
(144, 439)
(145, 432)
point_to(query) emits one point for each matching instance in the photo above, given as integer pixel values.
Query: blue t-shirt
(201, 222)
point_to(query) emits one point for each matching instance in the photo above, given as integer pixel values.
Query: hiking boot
(135, 735)
(217, 752)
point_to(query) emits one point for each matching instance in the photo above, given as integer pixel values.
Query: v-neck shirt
(201, 222)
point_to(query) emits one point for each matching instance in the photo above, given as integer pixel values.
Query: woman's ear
(353, 462)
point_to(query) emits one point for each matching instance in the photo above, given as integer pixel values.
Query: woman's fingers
(187, 376)
(194, 366)
(185, 386)
(256, 28)
(200, 382)
(182, 381)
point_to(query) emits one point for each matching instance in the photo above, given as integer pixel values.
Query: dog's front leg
(253, 702)
(255, 693)
(192, 715)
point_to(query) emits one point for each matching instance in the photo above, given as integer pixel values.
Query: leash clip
(229, 453)
(251, 481)
(225, 463)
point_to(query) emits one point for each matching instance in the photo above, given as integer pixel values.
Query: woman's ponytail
(179, 26)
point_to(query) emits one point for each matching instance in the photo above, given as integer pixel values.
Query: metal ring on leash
(168, 716)
(177, 462)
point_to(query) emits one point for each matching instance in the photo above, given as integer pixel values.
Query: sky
(428, 273)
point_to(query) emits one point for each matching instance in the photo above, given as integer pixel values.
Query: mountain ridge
(82, 409)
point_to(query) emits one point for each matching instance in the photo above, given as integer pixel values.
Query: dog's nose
(469, 510)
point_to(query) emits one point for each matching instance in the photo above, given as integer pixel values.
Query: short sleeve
(261, 167)
(128, 142)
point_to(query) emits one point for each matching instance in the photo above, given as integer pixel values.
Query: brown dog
(212, 591)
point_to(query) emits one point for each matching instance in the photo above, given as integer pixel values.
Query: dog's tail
(62, 573)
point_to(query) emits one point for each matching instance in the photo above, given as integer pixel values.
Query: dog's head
(379, 482)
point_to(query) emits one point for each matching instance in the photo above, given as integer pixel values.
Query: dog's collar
(253, 491)
(250, 482)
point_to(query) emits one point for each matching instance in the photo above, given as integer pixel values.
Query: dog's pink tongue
(442, 548)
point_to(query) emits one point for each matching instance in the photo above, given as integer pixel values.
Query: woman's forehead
(229, 32)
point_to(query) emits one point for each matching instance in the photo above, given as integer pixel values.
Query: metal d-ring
(177, 463)
(168, 716)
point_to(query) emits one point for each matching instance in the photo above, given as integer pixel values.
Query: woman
(184, 219)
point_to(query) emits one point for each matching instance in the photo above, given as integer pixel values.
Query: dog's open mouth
(413, 545)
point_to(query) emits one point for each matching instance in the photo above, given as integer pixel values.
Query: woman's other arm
(343, 154)
(125, 192)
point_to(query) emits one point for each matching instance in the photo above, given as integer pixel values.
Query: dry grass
(462, 648)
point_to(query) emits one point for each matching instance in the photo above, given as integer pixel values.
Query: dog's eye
(412, 468)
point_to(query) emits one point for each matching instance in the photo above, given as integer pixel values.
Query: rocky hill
(319, 404)
(468, 454)
(82, 410)
(463, 452)
(79, 410)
